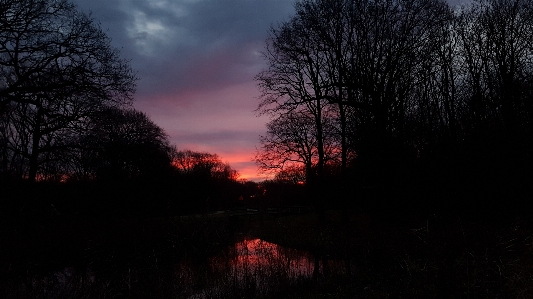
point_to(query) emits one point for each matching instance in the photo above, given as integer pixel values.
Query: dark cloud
(178, 45)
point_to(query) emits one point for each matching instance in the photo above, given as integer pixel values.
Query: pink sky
(227, 127)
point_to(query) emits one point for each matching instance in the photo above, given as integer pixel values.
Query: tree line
(401, 94)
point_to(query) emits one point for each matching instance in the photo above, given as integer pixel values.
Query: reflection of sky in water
(255, 263)
(257, 257)
(251, 265)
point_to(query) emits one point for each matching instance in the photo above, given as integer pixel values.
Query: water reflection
(256, 256)
(250, 268)
(253, 266)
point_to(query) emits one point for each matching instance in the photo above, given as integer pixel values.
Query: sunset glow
(227, 127)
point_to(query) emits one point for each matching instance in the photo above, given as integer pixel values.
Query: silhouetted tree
(389, 43)
(291, 174)
(122, 144)
(494, 48)
(495, 43)
(202, 164)
(209, 182)
(57, 69)
(293, 79)
(292, 141)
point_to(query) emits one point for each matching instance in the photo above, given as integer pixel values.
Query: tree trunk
(34, 156)
(344, 149)
(319, 186)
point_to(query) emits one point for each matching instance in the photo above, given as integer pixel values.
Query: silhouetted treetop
(50, 48)
(202, 165)
(125, 143)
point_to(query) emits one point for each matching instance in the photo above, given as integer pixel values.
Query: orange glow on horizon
(242, 162)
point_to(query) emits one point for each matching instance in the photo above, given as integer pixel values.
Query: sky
(196, 61)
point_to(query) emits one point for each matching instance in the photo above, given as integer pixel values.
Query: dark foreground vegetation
(187, 257)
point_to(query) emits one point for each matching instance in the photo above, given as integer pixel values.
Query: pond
(256, 256)
(249, 268)
(255, 266)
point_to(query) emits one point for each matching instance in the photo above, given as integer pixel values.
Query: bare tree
(496, 45)
(292, 141)
(365, 55)
(293, 78)
(293, 174)
(57, 68)
(202, 164)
